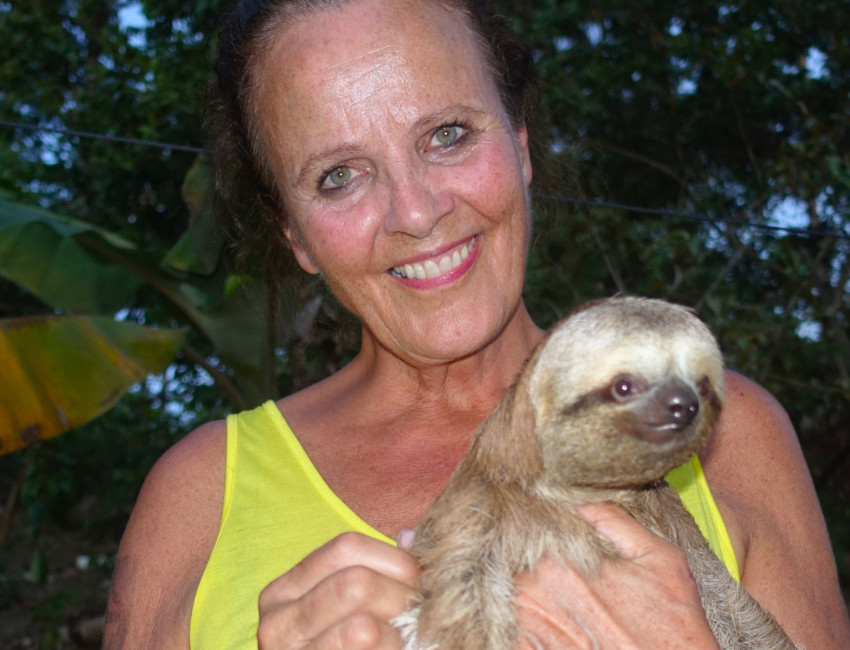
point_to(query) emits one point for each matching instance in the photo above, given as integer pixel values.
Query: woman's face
(402, 176)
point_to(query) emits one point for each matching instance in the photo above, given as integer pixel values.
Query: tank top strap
(688, 480)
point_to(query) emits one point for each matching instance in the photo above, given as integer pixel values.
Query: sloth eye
(623, 387)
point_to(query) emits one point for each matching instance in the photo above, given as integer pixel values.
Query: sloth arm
(763, 488)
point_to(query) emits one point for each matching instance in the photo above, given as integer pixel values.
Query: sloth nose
(665, 413)
(679, 403)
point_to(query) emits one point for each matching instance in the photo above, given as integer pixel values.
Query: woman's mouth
(437, 266)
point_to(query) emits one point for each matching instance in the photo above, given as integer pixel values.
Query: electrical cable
(664, 212)
(103, 136)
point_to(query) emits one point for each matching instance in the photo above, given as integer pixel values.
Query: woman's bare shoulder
(753, 429)
(167, 542)
(763, 487)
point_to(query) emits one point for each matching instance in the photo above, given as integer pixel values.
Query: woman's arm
(342, 595)
(762, 485)
(166, 545)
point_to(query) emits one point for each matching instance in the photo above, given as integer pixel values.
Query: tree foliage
(729, 122)
(735, 115)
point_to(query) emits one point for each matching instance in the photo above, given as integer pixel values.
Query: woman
(390, 142)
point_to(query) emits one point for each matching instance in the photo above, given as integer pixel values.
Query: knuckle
(265, 635)
(360, 631)
(274, 594)
(267, 596)
(347, 542)
(269, 630)
(355, 584)
(344, 548)
(282, 620)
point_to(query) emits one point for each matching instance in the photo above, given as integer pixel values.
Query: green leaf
(16, 214)
(62, 371)
(199, 249)
(38, 252)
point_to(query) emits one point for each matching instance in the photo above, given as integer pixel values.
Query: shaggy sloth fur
(615, 396)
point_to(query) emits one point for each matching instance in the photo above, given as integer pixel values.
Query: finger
(544, 622)
(651, 557)
(628, 537)
(406, 538)
(345, 550)
(351, 593)
(358, 632)
(557, 608)
(356, 590)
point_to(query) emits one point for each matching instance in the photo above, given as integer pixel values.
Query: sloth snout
(665, 412)
(678, 404)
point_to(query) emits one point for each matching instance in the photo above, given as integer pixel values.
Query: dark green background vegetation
(729, 122)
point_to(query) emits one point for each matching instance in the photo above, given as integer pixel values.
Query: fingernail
(405, 539)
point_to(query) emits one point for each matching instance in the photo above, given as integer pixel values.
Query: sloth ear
(506, 448)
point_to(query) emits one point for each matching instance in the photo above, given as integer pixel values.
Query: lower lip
(447, 278)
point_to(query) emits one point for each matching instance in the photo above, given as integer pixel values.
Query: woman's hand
(648, 599)
(340, 596)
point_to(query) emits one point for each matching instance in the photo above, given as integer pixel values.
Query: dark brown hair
(247, 199)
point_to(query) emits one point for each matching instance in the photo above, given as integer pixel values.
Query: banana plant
(62, 371)
(64, 368)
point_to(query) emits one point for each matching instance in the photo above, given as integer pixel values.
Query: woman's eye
(337, 178)
(447, 135)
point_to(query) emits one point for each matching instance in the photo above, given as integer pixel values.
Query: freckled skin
(372, 99)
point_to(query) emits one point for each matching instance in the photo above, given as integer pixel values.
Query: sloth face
(624, 391)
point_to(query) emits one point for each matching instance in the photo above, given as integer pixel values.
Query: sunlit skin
(397, 155)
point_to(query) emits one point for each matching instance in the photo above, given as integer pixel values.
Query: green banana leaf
(39, 252)
(198, 251)
(58, 372)
(73, 266)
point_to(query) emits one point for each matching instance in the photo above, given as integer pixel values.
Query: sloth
(616, 395)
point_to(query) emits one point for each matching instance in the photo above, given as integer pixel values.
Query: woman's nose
(418, 201)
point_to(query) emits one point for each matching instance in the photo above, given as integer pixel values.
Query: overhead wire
(664, 212)
(103, 136)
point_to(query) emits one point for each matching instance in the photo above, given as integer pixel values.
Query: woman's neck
(476, 381)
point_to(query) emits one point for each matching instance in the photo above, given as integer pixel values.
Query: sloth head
(623, 390)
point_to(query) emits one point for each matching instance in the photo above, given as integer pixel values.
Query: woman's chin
(448, 340)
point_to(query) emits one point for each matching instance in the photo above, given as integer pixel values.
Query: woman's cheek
(339, 234)
(490, 179)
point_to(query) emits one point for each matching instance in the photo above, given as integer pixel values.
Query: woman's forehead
(365, 36)
(368, 63)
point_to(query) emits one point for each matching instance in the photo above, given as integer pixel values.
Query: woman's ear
(525, 155)
(302, 255)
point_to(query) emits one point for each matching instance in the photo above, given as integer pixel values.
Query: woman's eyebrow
(447, 114)
(340, 152)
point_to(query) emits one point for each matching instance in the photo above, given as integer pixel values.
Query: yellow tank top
(277, 509)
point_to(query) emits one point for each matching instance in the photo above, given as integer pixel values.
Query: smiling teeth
(430, 269)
